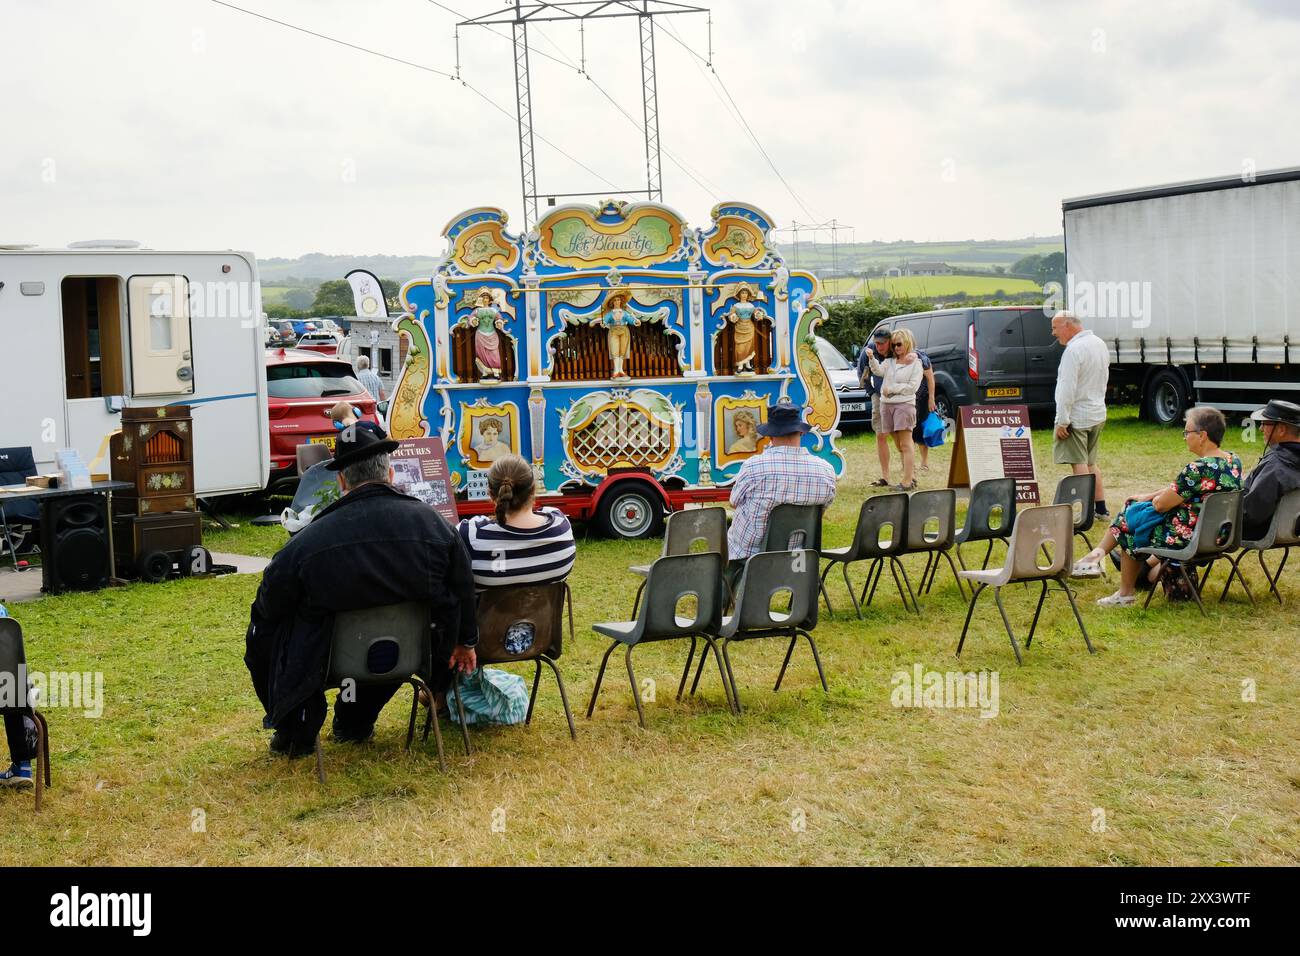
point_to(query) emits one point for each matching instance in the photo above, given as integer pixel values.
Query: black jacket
(374, 546)
(1277, 473)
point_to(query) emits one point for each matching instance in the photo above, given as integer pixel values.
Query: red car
(325, 343)
(301, 389)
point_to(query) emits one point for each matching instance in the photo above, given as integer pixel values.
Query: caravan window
(160, 335)
(92, 336)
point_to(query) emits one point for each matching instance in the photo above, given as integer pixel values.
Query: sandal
(1117, 600)
(880, 483)
(908, 487)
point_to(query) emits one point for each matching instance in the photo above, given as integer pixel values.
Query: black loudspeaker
(74, 543)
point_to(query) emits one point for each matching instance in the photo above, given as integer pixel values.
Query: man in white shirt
(1081, 383)
(369, 380)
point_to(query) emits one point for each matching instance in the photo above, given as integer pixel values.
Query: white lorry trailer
(99, 326)
(1195, 287)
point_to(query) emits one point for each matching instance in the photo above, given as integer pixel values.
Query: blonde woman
(901, 375)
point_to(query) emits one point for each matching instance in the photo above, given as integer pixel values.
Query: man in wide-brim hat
(784, 473)
(373, 547)
(1277, 472)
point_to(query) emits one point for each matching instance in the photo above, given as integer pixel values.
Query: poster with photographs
(420, 470)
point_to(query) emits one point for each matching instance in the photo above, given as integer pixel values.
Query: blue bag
(1142, 519)
(490, 696)
(933, 429)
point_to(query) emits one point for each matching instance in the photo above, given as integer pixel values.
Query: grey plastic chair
(508, 616)
(1080, 490)
(13, 665)
(931, 530)
(986, 497)
(697, 576)
(392, 644)
(767, 577)
(311, 453)
(1283, 532)
(1045, 529)
(1220, 512)
(878, 515)
(684, 530)
(792, 527)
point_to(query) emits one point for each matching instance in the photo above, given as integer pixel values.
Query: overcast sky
(183, 123)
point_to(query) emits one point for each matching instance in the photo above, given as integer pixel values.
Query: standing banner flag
(994, 441)
(367, 294)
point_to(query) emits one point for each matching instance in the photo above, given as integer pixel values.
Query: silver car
(855, 406)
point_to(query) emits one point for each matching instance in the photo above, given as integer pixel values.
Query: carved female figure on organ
(487, 323)
(745, 334)
(619, 319)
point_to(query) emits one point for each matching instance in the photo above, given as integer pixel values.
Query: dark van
(989, 355)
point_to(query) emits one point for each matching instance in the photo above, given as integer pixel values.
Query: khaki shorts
(898, 416)
(875, 414)
(1079, 447)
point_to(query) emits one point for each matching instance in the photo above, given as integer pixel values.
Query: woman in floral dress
(1167, 518)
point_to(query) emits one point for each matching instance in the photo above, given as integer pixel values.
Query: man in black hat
(1277, 472)
(783, 473)
(372, 547)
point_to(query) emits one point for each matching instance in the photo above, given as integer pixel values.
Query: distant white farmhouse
(921, 269)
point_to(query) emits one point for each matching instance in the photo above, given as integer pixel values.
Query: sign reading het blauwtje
(994, 441)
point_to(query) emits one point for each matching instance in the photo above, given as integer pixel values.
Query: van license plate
(322, 440)
(1003, 393)
(853, 407)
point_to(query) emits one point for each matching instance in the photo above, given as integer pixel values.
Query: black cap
(1288, 413)
(357, 444)
(881, 333)
(783, 418)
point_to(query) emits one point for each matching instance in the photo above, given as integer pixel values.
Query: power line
(428, 69)
(737, 115)
(672, 158)
(321, 36)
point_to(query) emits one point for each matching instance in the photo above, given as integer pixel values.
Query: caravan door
(160, 336)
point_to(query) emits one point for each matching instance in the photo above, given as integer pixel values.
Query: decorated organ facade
(612, 337)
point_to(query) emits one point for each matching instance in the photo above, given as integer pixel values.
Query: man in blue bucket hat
(783, 473)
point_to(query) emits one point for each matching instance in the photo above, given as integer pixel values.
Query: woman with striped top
(520, 545)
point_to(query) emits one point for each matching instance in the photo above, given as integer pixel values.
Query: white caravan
(99, 326)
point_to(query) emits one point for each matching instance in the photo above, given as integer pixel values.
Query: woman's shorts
(897, 417)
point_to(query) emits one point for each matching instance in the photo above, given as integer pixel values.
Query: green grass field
(274, 294)
(1145, 753)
